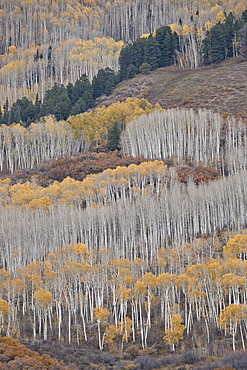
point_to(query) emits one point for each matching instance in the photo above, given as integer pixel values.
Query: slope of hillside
(221, 87)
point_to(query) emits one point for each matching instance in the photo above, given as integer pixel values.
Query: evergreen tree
(152, 53)
(104, 82)
(145, 68)
(125, 60)
(57, 102)
(131, 58)
(168, 43)
(138, 50)
(131, 71)
(206, 49)
(78, 107)
(81, 86)
(69, 88)
(218, 43)
(222, 40)
(88, 99)
(23, 111)
(114, 137)
(214, 44)
(62, 108)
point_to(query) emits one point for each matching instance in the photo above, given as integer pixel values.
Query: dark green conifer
(103, 82)
(81, 86)
(167, 42)
(23, 111)
(114, 137)
(152, 53)
(57, 102)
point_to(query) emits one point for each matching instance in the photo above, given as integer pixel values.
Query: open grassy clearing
(221, 87)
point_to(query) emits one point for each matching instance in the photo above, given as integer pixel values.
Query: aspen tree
(100, 314)
(175, 333)
(125, 329)
(122, 295)
(139, 292)
(4, 311)
(44, 301)
(166, 283)
(230, 318)
(236, 247)
(132, 228)
(233, 284)
(110, 332)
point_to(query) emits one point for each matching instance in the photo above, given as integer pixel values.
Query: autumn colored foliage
(15, 356)
(127, 299)
(22, 148)
(110, 184)
(83, 164)
(112, 233)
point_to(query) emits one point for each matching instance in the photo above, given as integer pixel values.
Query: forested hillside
(47, 42)
(123, 184)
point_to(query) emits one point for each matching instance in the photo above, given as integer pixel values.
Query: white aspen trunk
(241, 334)
(45, 325)
(69, 325)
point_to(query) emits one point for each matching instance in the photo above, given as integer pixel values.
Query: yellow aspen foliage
(236, 247)
(195, 295)
(209, 25)
(125, 328)
(175, 333)
(161, 257)
(123, 293)
(22, 194)
(213, 270)
(4, 307)
(4, 274)
(110, 333)
(126, 276)
(48, 272)
(220, 17)
(121, 263)
(232, 313)
(43, 202)
(93, 125)
(18, 285)
(139, 288)
(165, 280)
(176, 28)
(43, 297)
(54, 191)
(31, 271)
(12, 49)
(186, 30)
(149, 280)
(101, 314)
(234, 265)
(233, 281)
(79, 248)
(5, 183)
